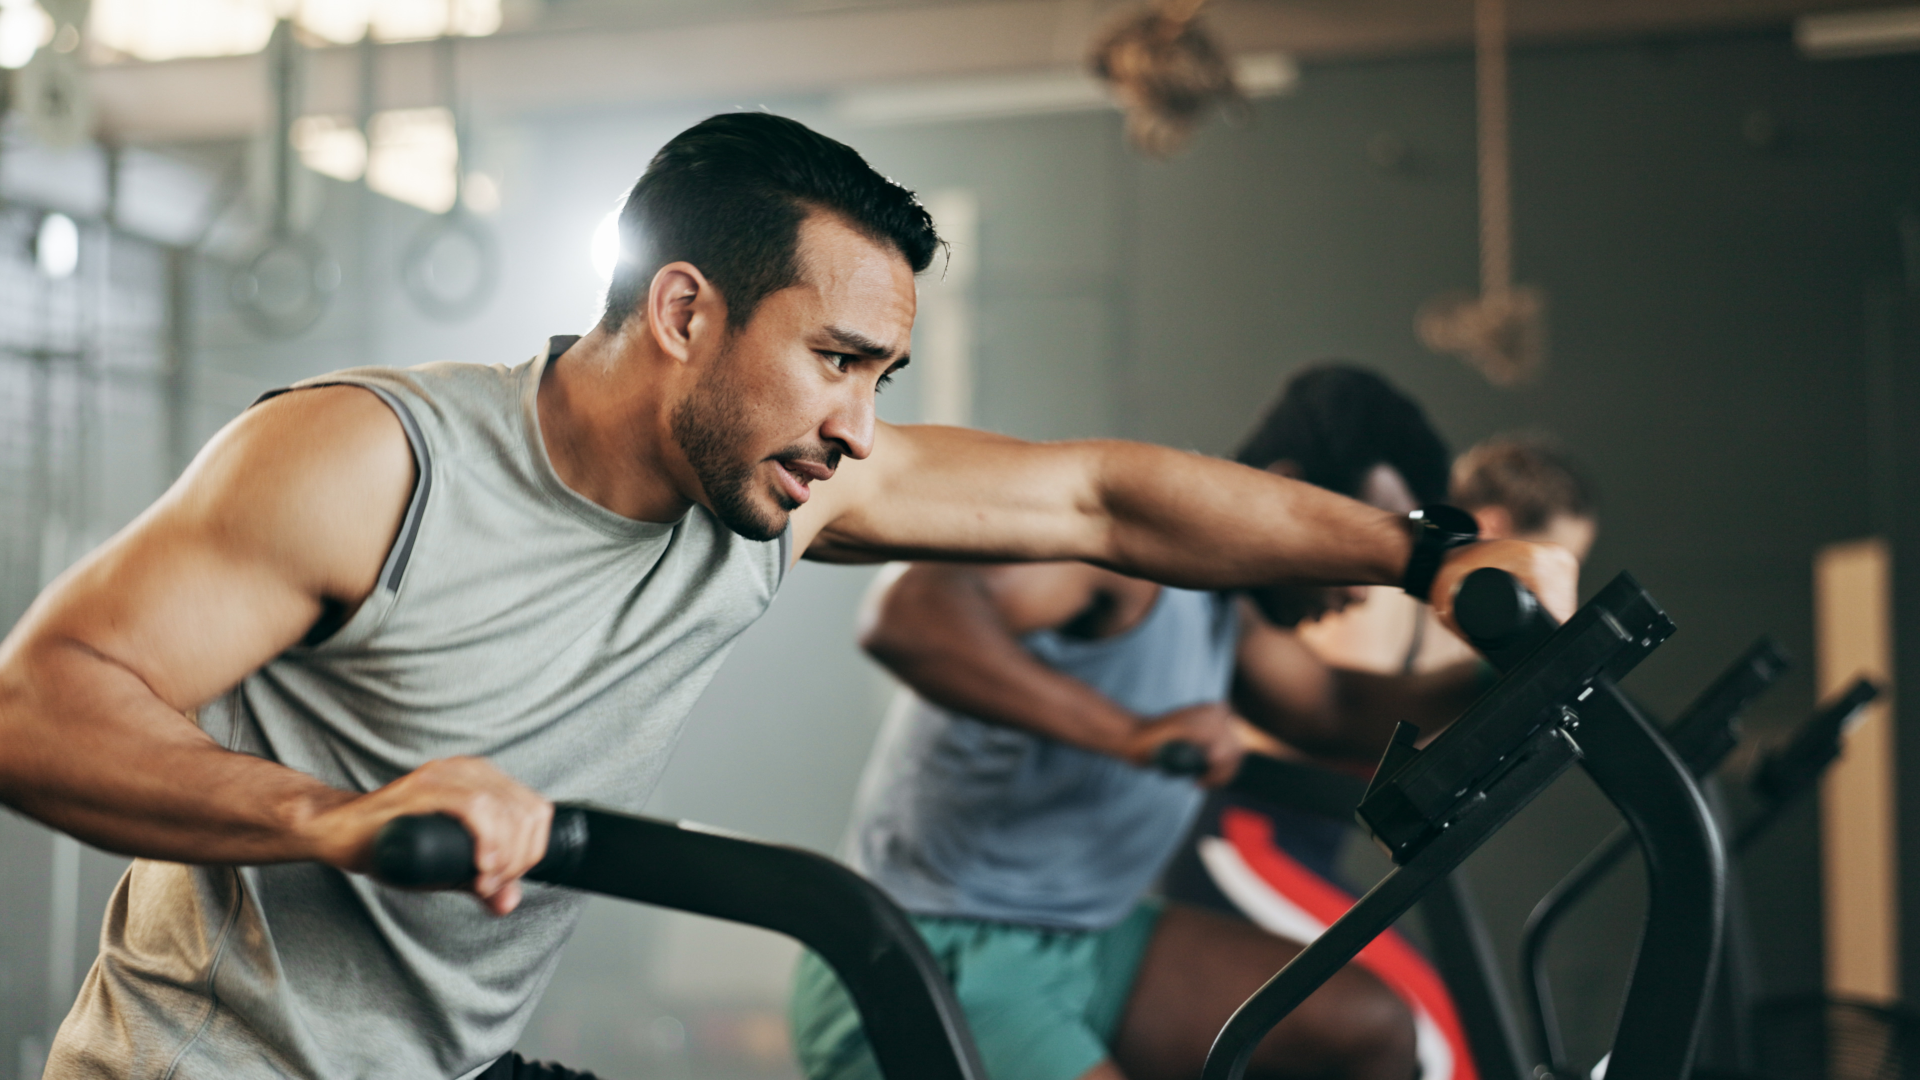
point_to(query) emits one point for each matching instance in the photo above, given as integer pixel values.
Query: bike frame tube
(1661, 1019)
(1462, 952)
(907, 1006)
(1546, 754)
(1432, 808)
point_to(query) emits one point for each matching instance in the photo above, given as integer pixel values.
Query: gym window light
(171, 29)
(412, 160)
(24, 28)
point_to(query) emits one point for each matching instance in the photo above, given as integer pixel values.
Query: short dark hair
(1336, 421)
(728, 195)
(1530, 476)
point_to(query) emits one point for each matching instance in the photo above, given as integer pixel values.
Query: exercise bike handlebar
(1432, 807)
(435, 851)
(1500, 617)
(912, 1019)
(1498, 614)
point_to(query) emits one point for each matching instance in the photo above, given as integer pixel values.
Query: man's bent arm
(1170, 516)
(290, 509)
(1284, 687)
(951, 633)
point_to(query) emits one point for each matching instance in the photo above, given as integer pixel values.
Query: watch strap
(1436, 529)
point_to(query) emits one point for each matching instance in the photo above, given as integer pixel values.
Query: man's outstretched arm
(291, 509)
(952, 633)
(1170, 516)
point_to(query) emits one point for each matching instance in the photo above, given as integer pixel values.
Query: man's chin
(751, 522)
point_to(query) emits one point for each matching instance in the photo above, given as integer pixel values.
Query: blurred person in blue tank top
(1011, 805)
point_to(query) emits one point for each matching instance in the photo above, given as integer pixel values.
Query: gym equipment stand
(1703, 743)
(1431, 808)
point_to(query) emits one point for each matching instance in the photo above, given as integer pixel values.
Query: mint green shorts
(1042, 1003)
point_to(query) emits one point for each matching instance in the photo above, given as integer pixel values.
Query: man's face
(790, 393)
(1291, 605)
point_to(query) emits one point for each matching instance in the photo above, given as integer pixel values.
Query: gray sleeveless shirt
(514, 620)
(956, 816)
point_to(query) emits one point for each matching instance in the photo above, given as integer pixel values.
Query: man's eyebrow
(860, 344)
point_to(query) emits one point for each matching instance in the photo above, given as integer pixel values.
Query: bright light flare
(24, 27)
(56, 247)
(606, 245)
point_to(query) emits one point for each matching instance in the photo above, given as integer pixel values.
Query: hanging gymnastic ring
(416, 267)
(319, 276)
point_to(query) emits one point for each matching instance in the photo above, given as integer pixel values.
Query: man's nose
(851, 424)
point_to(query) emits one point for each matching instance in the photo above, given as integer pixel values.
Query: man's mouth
(796, 473)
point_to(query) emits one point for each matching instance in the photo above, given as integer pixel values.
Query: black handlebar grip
(1178, 757)
(423, 851)
(1500, 616)
(434, 851)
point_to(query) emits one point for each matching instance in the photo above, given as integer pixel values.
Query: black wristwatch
(1436, 529)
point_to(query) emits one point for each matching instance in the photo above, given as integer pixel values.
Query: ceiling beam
(200, 100)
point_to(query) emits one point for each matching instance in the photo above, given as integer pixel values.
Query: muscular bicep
(287, 513)
(946, 492)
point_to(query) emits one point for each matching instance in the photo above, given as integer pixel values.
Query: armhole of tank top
(401, 552)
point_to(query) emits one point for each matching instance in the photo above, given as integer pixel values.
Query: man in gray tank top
(1010, 805)
(466, 589)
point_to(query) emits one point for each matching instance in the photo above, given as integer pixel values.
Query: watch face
(1449, 519)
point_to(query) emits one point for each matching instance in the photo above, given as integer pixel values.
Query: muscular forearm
(90, 750)
(1184, 519)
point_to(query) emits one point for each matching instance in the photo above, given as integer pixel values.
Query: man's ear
(1495, 523)
(682, 306)
(1286, 467)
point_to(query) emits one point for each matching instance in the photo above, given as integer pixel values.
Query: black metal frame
(912, 1020)
(1703, 737)
(1432, 808)
(1459, 945)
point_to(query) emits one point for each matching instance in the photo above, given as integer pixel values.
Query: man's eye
(840, 361)
(885, 381)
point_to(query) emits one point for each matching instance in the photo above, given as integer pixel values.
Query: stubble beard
(708, 426)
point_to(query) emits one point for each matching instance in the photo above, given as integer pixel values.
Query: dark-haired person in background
(1010, 804)
(467, 589)
(1276, 867)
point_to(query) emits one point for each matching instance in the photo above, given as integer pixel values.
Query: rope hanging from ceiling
(1502, 332)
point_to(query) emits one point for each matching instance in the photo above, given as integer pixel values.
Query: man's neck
(604, 422)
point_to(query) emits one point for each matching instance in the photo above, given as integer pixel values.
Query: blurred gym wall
(1708, 215)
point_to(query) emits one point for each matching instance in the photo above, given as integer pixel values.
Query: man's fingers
(510, 838)
(1550, 571)
(503, 900)
(1564, 569)
(508, 822)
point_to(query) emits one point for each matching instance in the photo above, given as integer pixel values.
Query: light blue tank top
(960, 817)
